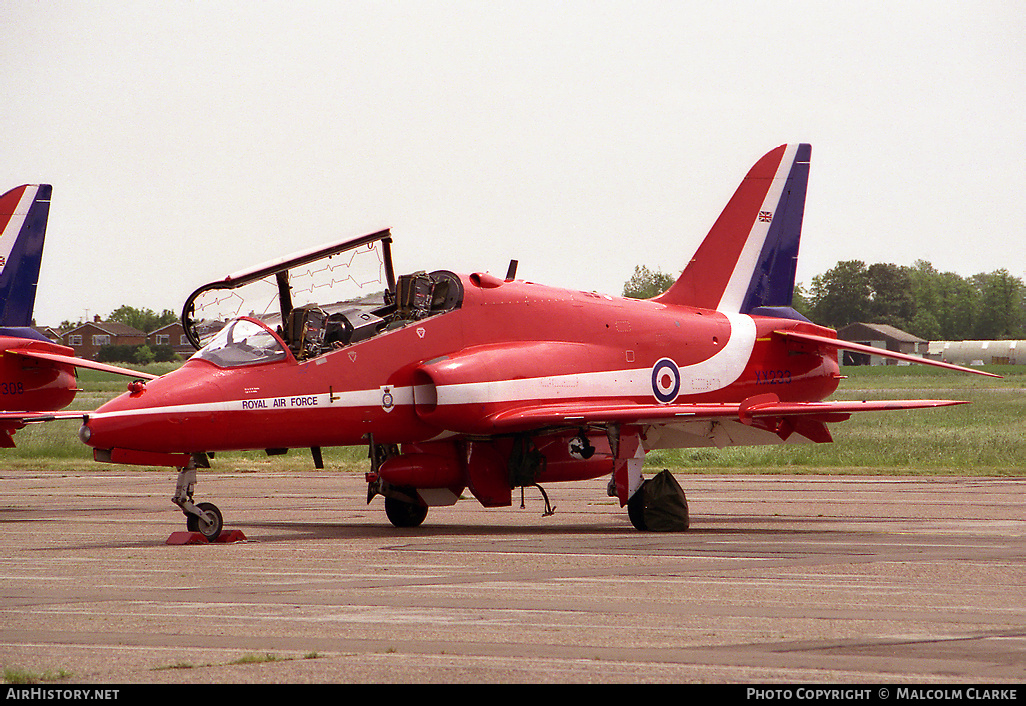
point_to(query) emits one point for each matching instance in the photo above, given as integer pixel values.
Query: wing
(765, 412)
(79, 363)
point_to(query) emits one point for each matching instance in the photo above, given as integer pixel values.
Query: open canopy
(339, 272)
(316, 301)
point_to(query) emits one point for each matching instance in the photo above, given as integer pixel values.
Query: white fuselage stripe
(714, 373)
(352, 398)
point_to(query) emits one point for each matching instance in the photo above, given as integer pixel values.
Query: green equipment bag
(660, 505)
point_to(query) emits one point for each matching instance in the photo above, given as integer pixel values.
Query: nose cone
(169, 414)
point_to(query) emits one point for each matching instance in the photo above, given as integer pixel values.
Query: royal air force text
(282, 403)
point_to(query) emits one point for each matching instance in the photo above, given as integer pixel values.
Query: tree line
(935, 306)
(145, 320)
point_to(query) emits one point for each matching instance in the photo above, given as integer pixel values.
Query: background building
(87, 339)
(880, 336)
(172, 335)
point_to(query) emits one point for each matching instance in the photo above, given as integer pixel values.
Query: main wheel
(209, 525)
(636, 509)
(403, 514)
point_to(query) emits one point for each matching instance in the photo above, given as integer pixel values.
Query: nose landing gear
(204, 518)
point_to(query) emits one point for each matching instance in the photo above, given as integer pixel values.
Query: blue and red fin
(748, 259)
(23, 214)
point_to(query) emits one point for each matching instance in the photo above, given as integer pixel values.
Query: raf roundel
(665, 380)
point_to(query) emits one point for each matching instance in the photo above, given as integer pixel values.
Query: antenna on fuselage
(511, 273)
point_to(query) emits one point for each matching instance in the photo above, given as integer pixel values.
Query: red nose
(172, 414)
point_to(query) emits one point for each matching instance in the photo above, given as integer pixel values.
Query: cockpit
(359, 298)
(313, 330)
(242, 342)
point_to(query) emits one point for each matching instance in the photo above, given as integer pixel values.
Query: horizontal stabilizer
(80, 363)
(837, 344)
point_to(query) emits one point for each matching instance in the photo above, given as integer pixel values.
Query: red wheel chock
(197, 538)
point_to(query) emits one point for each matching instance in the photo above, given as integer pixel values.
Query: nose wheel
(204, 518)
(209, 523)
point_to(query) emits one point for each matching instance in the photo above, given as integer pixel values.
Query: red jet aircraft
(37, 376)
(489, 384)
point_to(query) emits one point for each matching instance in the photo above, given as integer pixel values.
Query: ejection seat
(305, 331)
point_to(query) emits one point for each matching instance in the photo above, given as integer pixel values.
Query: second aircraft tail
(24, 211)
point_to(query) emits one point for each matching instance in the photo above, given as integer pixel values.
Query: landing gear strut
(204, 518)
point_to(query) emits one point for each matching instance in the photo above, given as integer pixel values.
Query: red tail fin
(748, 258)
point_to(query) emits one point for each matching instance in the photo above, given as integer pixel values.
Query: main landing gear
(404, 514)
(204, 518)
(402, 506)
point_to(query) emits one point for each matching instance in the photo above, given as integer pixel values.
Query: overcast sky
(188, 140)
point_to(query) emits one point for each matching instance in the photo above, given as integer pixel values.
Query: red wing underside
(755, 409)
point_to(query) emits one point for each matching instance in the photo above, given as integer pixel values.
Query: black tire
(210, 526)
(403, 514)
(636, 509)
